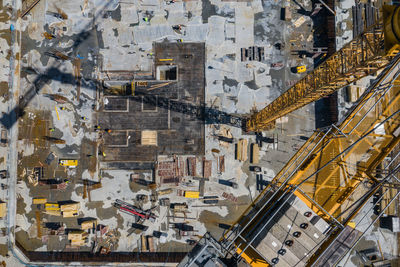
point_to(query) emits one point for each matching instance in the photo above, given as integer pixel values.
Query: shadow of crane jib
(207, 114)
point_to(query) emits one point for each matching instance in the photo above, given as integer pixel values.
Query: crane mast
(364, 55)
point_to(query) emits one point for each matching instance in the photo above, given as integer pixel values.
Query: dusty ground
(115, 37)
(112, 36)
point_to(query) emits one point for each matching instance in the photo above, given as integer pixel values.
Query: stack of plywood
(144, 247)
(207, 165)
(180, 166)
(89, 224)
(241, 152)
(3, 209)
(179, 207)
(147, 243)
(38, 201)
(52, 209)
(77, 238)
(70, 210)
(165, 191)
(149, 138)
(255, 153)
(150, 243)
(191, 166)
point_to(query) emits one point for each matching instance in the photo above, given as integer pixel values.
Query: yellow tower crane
(308, 208)
(364, 55)
(312, 201)
(320, 204)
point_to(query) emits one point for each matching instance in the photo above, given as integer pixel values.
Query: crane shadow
(200, 112)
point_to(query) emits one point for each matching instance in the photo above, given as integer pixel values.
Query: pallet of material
(165, 165)
(150, 243)
(255, 153)
(90, 224)
(70, 214)
(78, 242)
(221, 164)
(191, 166)
(241, 151)
(52, 206)
(144, 247)
(70, 207)
(165, 191)
(149, 138)
(181, 167)
(207, 165)
(171, 180)
(177, 207)
(77, 235)
(53, 212)
(37, 201)
(166, 173)
(147, 244)
(165, 169)
(38, 224)
(3, 209)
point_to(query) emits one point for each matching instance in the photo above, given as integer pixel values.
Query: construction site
(199, 133)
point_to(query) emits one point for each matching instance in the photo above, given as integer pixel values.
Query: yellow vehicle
(192, 194)
(52, 206)
(72, 163)
(300, 69)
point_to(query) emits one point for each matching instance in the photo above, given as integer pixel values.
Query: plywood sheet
(149, 138)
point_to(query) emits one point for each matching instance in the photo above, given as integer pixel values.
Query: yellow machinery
(338, 170)
(72, 163)
(334, 174)
(192, 194)
(363, 56)
(52, 207)
(301, 69)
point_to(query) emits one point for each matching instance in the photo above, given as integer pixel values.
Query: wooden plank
(241, 152)
(151, 244)
(77, 73)
(255, 153)
(144, 244)
(192, 166)
(221, 164)
(84, 190)
(207, 165)
(38, 224)
(149, 138)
